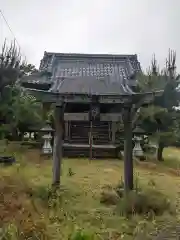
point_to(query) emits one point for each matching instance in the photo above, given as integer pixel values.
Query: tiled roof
(89, 85)
(120, 68)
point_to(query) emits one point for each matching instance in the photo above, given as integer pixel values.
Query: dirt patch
(147, 165)
(12, 199)
(16, 206)
(34, 156)
(174, 172)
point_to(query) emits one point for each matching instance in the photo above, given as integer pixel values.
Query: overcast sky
(94, 26)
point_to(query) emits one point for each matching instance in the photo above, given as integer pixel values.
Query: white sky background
(94, 26)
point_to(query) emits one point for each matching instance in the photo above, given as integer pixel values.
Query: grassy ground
(24, 196)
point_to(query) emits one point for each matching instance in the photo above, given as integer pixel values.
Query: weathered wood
(114, 99)
(75, 98)
(110, 131)
(128, 159)
(113, 129)
(90, 140)
(57, 149)
(69, 129)
(111, 117)
(94, 116)
(76, 116)
(66, 130)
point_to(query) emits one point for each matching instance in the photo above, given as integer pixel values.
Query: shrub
(148, 202)
(49, 196)
(120, 187)
(109, 196)
(27, 230)
(33, 230)
(42, 192)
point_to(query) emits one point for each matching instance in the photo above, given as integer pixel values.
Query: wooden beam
(57, 148)
(108, 117)
(113, 129)
(111, 117)
(76, 116)
(66, 130)
(128, 159)
(91, 140)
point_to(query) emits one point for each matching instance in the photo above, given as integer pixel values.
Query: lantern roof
(138, 130)
(47, 128)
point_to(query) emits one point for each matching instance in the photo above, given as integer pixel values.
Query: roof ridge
(93, 55)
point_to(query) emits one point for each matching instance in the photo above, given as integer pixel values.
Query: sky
(143, 27)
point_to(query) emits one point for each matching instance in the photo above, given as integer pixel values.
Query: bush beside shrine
(142, 201)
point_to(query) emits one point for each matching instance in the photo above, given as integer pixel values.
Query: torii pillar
(128, 158)
(58, 143)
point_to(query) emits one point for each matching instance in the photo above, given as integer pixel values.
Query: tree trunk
(160, 152)
(14, 134)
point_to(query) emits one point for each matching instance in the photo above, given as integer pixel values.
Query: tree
(27, 112)
(10, 62)
(160, 117)
(18, 110)
(27, 69)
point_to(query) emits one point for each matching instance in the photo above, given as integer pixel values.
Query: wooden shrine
(85, 69)
(91, 94)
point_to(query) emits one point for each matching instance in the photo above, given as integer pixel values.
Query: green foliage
(81, 235)
(28, 112)
(42, 192)
(9, 233)
(160, 118)
(27, 69)
(18, 110)
(10, 62)
(70, 172)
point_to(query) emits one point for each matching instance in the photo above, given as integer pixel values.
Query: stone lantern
(26, 136)
(47, 148)
(137, 150)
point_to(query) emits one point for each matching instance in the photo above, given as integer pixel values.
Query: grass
(172, 157)
(171, 163)
(25, 207)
